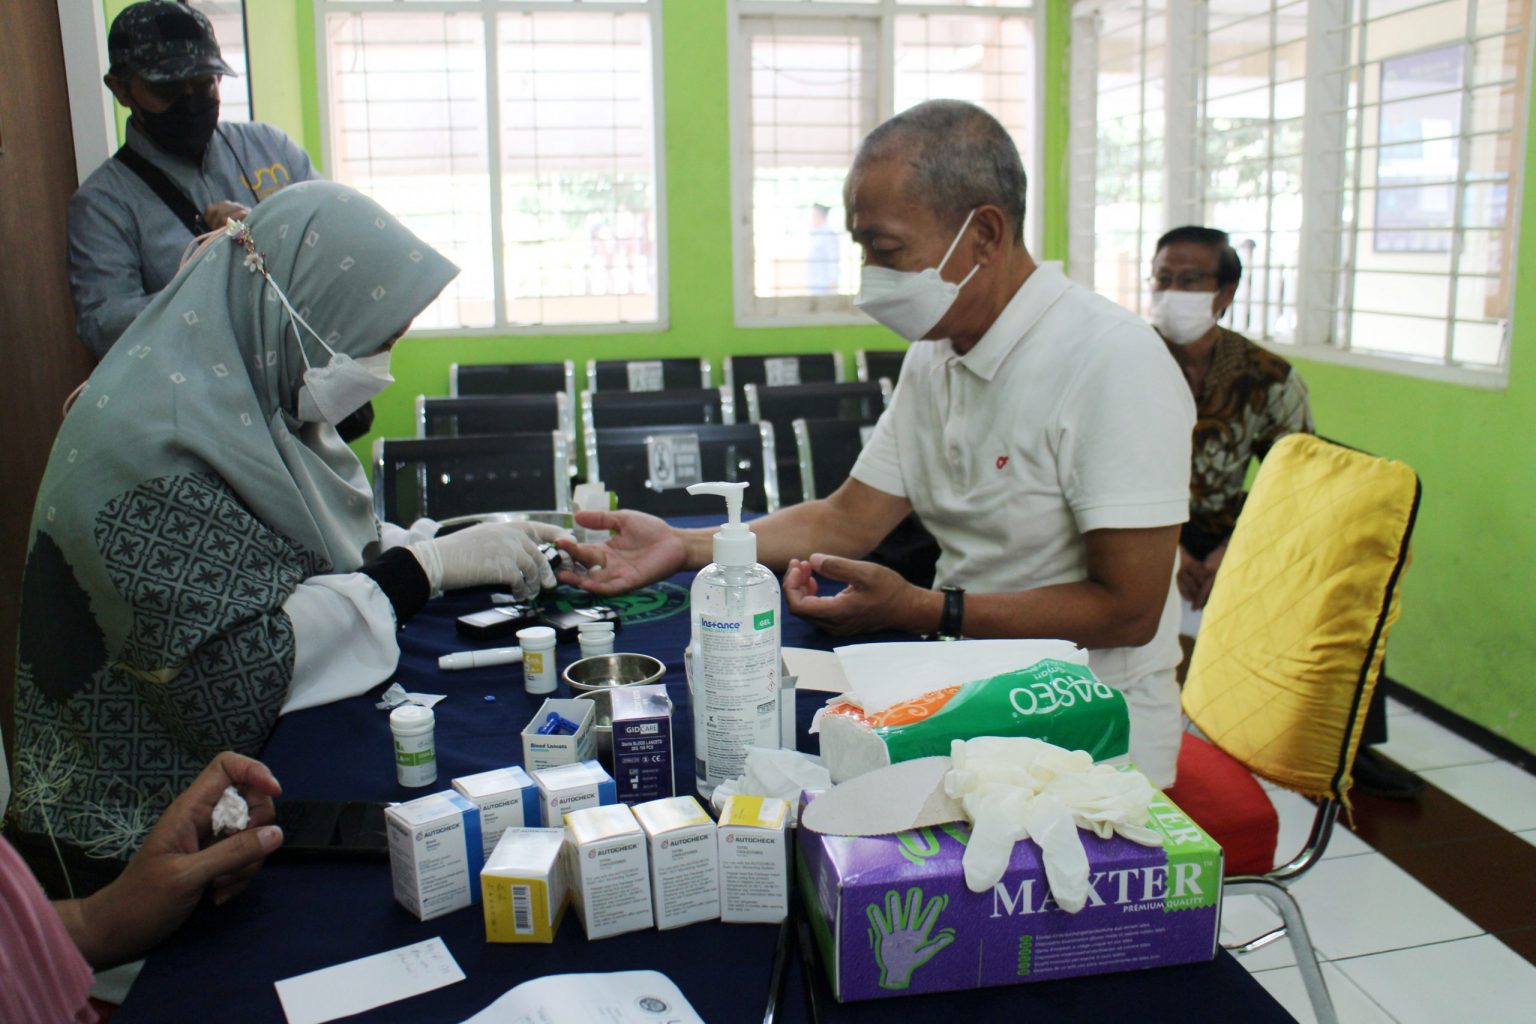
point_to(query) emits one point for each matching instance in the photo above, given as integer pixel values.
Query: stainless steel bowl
(597, 677)
(605, 671)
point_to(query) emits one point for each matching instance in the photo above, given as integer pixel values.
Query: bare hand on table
(642, 550)
(876, 597)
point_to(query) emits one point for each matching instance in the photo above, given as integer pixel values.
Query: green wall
(1466, 639)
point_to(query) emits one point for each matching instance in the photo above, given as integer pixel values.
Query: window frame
(489, 10)
(752, 311)
(1325, 283)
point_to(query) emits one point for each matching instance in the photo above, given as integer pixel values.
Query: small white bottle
(415, 746)
(596, 638)
(735, 611)
(538, 644)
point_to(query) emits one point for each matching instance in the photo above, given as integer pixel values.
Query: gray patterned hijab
(184, 501)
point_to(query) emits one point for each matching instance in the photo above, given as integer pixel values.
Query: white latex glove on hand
(506, 554)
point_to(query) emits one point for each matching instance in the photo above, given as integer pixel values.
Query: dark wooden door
(41, 360)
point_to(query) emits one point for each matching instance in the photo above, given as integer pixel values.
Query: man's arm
(1118, 605)
(106, 279)
(644, 549)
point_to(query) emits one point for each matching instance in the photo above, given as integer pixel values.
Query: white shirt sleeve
(1127, 423)
(879, 464)
(344, 639)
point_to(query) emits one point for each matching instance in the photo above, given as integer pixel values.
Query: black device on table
(500, 620)
(332, 830)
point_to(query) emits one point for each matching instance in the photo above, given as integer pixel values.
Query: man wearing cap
(179, 174)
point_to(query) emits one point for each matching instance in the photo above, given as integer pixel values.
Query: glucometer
(331, 830)
(501, 620)
(565, 624)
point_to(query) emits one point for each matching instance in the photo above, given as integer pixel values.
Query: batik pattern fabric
(184, 502)
(1250, 399)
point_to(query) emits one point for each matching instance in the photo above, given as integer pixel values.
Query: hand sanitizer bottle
(735, 610)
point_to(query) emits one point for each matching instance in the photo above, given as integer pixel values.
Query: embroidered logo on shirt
(1002, 460)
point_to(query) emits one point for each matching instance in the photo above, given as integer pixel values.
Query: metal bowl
(605, 671)
(597, 677)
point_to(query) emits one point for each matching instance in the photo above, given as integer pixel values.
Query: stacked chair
(859, 403)
(874, 364)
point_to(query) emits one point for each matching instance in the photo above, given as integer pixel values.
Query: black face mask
(184, 127)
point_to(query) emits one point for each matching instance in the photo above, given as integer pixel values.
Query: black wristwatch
(952, 622)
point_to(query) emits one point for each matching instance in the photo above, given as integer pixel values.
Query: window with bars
(810, 79)
(1363, 155)
(228, 20)
(519, 138)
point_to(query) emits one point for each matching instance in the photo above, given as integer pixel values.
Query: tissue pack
(1056, 701)
(892, 915)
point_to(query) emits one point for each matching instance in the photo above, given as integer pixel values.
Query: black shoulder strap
(162, 186)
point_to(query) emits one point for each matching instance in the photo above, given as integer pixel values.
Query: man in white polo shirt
(1041, 434)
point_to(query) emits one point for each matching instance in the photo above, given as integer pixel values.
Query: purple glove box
(892, 914)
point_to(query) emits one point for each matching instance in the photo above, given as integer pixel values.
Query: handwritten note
(359, 985)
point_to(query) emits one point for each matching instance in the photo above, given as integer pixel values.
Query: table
(300, 917)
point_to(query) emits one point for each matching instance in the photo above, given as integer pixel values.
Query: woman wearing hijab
(203, 554)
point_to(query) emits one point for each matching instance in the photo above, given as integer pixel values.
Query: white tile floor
(1393, 951)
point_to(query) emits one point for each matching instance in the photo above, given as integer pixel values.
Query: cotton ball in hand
(231, 814)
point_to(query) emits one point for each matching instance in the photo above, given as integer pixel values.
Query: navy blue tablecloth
(298, 917)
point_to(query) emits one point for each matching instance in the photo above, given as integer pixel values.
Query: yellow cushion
(1292, 637)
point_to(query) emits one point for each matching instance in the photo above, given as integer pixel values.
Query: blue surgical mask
(911, 303)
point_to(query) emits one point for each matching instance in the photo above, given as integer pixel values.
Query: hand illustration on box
(900, 935)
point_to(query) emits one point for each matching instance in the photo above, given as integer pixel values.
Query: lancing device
(480, 659)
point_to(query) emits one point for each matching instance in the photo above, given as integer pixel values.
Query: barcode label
(522, 910)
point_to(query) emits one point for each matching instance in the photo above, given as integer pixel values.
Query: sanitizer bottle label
(740, 707)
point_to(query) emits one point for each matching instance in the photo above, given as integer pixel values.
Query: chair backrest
(860, 401)
(493, 414)
(647, 374)
(656, 408)
(454, 476)
(827, 450)
(512, 378)
(777, 371)
(1293, 635)
(649, 467)
(857, 402)
(872, 364)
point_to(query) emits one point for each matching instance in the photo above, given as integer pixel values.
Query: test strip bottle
(538, 644)
(596, 638)
(415, 745)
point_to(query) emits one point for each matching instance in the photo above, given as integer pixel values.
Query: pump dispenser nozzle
(734, 543)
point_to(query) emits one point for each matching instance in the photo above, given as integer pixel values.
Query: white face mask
(332, 392)
(911, 303)
(1183, 317)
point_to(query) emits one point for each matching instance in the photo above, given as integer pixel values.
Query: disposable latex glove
(500, 553)
(902, 937)
(1020, 788)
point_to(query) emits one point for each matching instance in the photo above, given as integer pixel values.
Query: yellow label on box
(754, 811)
(517, 909)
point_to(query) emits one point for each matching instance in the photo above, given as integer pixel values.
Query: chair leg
(1277, 896)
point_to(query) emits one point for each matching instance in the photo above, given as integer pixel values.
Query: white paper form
(623, 997)
(362, 984)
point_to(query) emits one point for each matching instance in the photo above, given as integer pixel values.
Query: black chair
(647, 374)
(781, 406)
(872, 364)
(494, 414)
(454, 476)
(603, 409)
(826, 451)
(512, 378)
(649, 467)
(777, 371)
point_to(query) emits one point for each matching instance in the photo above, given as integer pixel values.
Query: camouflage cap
(164, 42)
